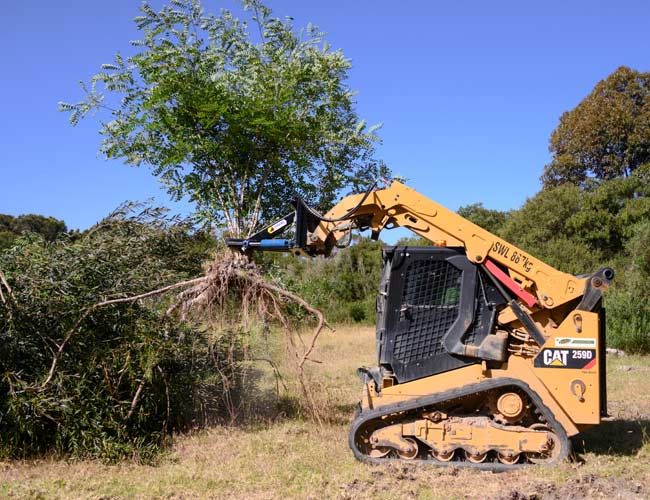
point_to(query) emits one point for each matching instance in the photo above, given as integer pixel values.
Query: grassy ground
(286, 457)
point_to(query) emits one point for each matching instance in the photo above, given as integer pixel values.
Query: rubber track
(467, 390)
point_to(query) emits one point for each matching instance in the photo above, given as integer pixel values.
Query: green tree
(579, 231)
(11, 227)
(606, 135)
(48, 227)
(236, 114)
(540, 227)
(489, 219)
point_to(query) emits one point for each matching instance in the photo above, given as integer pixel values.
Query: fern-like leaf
(66, 106)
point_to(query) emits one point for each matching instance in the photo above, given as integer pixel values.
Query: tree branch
(136, 398)
(258, 203)
(71, 331)
(3, 279)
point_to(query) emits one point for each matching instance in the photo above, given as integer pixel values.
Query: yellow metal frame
(572, 395)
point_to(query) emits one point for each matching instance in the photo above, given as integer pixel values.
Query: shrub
(628, 303)
(628, 321)
(113, 381)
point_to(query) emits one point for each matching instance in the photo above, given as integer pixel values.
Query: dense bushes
(343, 287)
(628, 303)
(125, 375)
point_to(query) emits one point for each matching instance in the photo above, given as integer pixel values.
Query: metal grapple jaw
(301, 219)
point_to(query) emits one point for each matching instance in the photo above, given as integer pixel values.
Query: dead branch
(162, 374)
(136, 398)
(108, 381)
(159, 291)
(3, 282)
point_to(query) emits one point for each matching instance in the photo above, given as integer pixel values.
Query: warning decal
(575, 342)
(278, 225)
(583, 359)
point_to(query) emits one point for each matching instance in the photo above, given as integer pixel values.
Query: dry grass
(286, 457)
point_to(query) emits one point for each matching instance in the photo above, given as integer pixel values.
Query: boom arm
(399, 205)
(536, 284)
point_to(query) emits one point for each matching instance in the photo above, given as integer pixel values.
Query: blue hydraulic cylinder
(272, 243)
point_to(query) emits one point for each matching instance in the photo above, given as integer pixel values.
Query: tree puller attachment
(487, 356)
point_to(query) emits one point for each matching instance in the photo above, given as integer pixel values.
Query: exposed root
(234, 276)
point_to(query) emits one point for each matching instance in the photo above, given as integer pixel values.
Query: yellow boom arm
(540, 286)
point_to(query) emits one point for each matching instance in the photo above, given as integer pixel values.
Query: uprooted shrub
(88, 375)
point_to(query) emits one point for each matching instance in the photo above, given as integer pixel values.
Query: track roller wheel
(508, 460)
(414, 450)
(553, 451)
(477, 458)
(443, 456)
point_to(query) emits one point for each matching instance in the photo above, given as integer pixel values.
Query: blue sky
(468, 91)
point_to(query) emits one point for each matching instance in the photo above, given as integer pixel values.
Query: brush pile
(108, 344)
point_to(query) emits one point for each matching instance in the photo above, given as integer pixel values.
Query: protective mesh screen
(430, 303)
(470, 335)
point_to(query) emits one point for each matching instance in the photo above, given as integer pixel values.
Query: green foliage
(237, 114)
(343, 287)
(628, 317)
(489, 219)
(126, 375)
(7, 239)
(628, 304)
(577, 230)
(606, 135)
(11, 227)
(541, 227)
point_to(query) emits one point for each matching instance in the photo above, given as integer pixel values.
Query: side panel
(569, 365)
(602, 354)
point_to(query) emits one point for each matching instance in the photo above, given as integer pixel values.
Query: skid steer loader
(487, 356)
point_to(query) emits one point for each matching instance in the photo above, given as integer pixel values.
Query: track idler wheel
(367, 446)
(551, 453)
(379, 452)
(508, 459)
